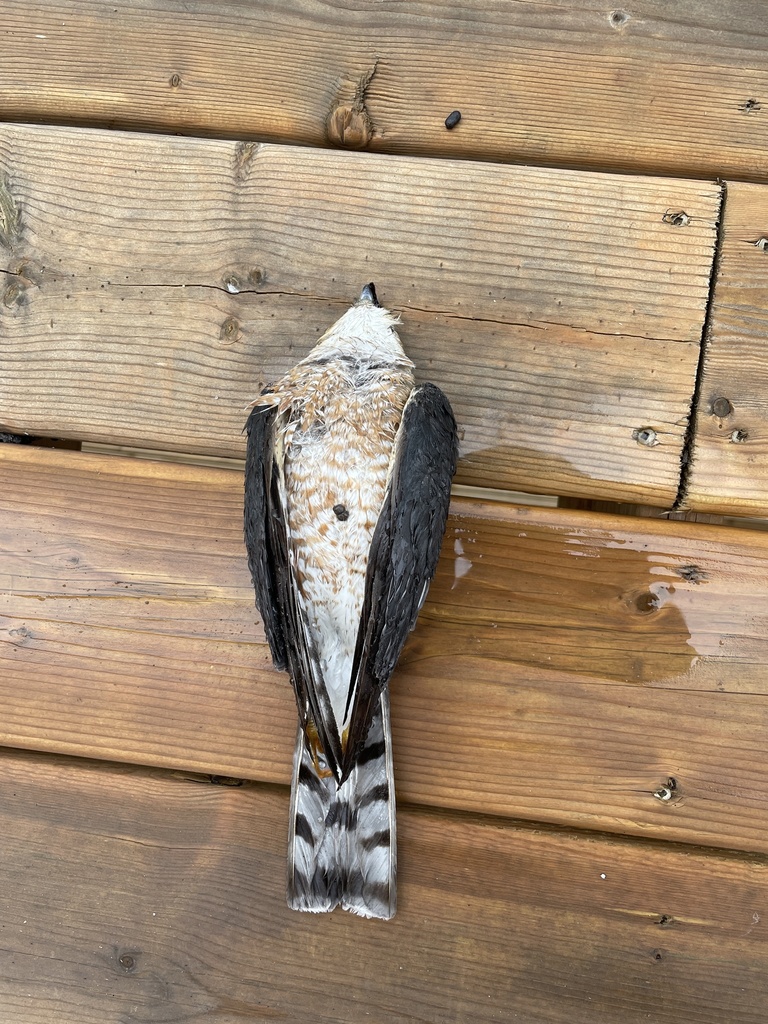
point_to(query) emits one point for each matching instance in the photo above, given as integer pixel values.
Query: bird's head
(366, 331)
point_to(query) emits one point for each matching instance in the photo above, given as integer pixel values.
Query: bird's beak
(368, 294)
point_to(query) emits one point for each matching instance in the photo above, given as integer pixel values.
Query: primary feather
(347, 487)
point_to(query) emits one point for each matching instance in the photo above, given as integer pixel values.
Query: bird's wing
(404, 552)
(267, 561)
(278, 596)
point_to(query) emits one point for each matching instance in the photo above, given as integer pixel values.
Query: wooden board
(155, 284)
(139, 896)
(642, 88)
(565, 666)
(730, 445)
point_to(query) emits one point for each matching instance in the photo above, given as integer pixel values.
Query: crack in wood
(689, 440)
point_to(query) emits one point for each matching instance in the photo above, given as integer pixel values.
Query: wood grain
(565, 666)
(139, 896)
(154, 284)
(646, 88)
(730, 444)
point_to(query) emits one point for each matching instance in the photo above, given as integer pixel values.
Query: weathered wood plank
(565, 666)
(136, 895)
(730, 447)
(566, 83)
(561, 312)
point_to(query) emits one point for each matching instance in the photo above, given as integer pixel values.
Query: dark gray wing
(266, 540)
(267, 561)
(404, 551)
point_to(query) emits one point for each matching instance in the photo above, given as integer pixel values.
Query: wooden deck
(580, 716)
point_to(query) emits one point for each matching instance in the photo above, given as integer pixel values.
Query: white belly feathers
(336, 472)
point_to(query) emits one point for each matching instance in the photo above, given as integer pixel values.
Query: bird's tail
(341, 845)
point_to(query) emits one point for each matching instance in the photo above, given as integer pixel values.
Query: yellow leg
(316, 751)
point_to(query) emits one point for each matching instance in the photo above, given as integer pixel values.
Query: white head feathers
(365, 332)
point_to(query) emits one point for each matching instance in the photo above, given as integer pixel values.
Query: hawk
(347, 485)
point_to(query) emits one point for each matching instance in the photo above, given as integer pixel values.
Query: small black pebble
(453, 119)
(341, 512)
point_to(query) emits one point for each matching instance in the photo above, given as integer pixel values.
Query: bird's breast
(337, 459)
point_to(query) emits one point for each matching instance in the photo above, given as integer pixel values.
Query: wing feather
(264, 560)
(404, 552)
(277, 595)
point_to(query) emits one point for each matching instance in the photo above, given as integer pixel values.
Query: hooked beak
(368, 294)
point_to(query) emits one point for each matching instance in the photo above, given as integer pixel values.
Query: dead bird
(347, 486)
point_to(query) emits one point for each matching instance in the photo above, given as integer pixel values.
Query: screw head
(721, 407)
(677, 218)
(646, 436)
(666, 791)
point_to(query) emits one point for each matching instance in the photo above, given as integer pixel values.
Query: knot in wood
(349, 126)
(646, 603)
(11, 225)
(12, 294)
(230, 330)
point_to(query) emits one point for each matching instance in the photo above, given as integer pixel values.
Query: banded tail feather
(342, 842)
